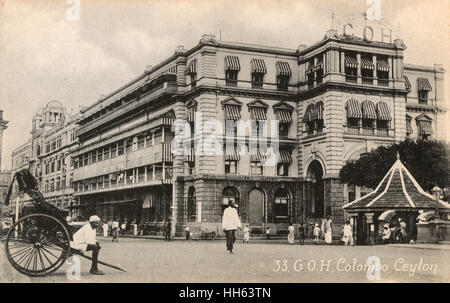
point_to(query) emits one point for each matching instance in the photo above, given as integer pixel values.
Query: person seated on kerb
(85, 239)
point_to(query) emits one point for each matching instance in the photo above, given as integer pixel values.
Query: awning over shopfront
(117, 202)
(258, 66)
(283, 69)
(424, 84)
(353, 109)
(232, 63)
(398, 190)
(368, 110)
(383, 111)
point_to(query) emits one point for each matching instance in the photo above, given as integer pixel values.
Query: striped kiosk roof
(383, 111)
(258, 66)
(353, 109)
(368, 110)
(232, 63)
(398, 190)
(283, 69)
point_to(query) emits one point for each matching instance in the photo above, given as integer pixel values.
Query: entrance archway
(256, 207)
(316, 202)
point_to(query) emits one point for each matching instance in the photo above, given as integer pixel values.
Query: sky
(48, 53)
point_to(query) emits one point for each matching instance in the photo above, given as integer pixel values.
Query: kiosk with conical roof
(398, 195)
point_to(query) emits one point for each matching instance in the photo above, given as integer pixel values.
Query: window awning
(191, 155)
(407, 83)
(351, 62)
(383, 65)
(425, 127)
(257, 155)
(231, 153)
(167, 121)
(258, 66)
(308, 113)
(283, 69)
(424, 84)
(383, 111)
(232, 112)
(285, 157)
(368, 110)
(317, 113)
(284, 116)
(192, 67)
(232, 63)
(353, 109)
(367, 63)
(409, 129)
(258, 113)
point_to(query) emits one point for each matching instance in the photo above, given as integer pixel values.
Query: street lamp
(437, 194)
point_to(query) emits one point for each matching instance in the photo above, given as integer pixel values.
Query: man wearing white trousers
(230, 223)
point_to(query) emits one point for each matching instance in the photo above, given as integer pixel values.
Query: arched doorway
(191, 205)
(316, 205)
(256, 207)
(230, 194)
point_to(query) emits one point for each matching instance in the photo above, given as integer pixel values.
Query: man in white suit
(230, 223)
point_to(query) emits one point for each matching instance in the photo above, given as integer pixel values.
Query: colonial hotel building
(334, 100)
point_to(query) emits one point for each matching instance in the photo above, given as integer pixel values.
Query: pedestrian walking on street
(168, 233)
(348, 234)
(291, 236)
(301, 233)
(187, 232)
(123, 226)
(246, 234)
(230, 223)
(327, 227)
(316, 233)
(115, 230)
(85, 239)
(105, 229)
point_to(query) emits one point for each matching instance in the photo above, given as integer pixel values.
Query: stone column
(358, 59)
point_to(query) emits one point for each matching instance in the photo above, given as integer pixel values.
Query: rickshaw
(39, 242)
(390, 218)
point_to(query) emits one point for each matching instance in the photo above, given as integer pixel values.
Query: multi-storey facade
(47, 153)
(333, 101)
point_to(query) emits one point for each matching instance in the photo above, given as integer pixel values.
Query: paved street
(208, 261)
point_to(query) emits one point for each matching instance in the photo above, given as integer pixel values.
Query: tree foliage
(426, 160)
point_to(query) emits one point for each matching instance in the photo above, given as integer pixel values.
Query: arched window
(229, 194)
(282, 199)
(191, 205)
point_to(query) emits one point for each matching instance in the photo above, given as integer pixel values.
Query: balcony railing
(366, 80)
(351, 79)
(368, 131)
(229, 82)
(383, 82)
(382, 131)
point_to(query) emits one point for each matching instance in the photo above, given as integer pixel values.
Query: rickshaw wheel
(40, 245)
